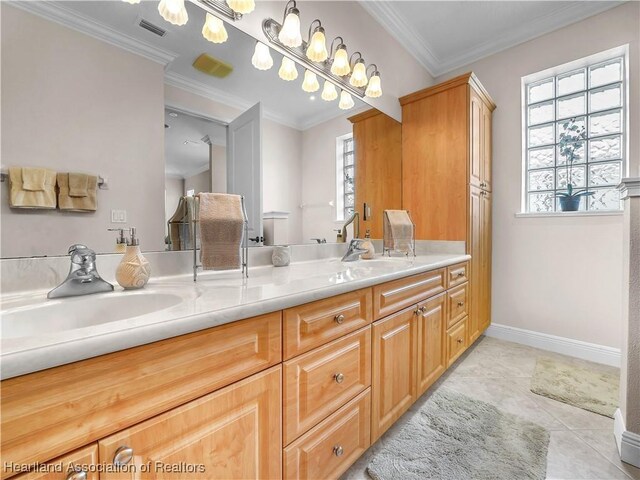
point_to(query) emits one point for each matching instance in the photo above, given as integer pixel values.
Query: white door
(244, 166)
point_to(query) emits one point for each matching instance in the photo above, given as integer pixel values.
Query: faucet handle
(81, 254)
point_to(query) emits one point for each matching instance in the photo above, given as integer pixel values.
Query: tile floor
(498, 372)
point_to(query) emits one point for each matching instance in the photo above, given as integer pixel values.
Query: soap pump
(134, 270)
(121, 241)
(368, 245)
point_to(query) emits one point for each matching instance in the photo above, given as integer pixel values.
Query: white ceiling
(445, 35)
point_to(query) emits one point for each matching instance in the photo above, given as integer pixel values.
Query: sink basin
(79, 312)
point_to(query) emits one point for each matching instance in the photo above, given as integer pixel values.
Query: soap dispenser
(121, 241)
(134, 270)
(368, 245)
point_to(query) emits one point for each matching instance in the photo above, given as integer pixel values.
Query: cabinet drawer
(327, 450)
(317, 383)
(314, 324)
(393, 296)
(458, 299)
(83, 458)
(457, 274)
(456, 341)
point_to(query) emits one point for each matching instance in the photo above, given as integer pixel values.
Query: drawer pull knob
(421, 310)
(460, 304)
(79, 475)
(339, 377)
(460, 274)
(123, 456)
(338, 450)
(460, 340)
(339, 319)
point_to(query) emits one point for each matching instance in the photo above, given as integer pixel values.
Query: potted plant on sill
(569, 144)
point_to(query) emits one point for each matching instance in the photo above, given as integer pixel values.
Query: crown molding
(629, 187)
(81, 23)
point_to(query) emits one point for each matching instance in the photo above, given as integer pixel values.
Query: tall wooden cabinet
(446, 177)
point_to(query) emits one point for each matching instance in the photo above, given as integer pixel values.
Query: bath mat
(454, 437)
(583, 384)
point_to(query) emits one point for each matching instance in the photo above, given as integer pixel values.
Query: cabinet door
(232, 433)
(476, 138)
(485, 257)
(474, 248)
(485, 184)
(456, 341)
(394, 358)
(63, 468)
(432, 347)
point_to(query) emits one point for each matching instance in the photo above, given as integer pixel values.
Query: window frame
(341, 168)
(555, 73)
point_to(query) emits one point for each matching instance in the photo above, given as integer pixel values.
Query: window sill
(569, 214)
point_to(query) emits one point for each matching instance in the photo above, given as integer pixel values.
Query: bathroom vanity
(298, 392)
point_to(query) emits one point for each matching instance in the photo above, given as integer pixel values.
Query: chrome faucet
(355, 250)
(320, 240)
(356, 226)
(83, 277)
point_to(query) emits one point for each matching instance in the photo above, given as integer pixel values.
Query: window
(587, 96)
(345, 177)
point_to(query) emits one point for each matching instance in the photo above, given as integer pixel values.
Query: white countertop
(217, 298)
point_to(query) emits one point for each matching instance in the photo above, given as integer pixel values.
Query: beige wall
(198, 183)
(560, 276)
(63, 110)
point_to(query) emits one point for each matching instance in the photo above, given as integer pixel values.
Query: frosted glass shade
(346, 101)
(132, 2)
(213, 29)
(173, 11)
(262, 59)
(317, 49)
(310, 83)
(374, 89)
(340, 65)
(290, 32)
(242, 6)
(288, 70)
(359, 75)
(329, 92)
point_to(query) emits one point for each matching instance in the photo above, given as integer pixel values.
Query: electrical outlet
(118, 216)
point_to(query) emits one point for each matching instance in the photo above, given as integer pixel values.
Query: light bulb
(359, 75)
(290, 35)
(132, 2)
(173, 11)
(340, 65)
(288, 70)
(374, 90)
(241, 6)
(329, 92)
(346, 102)
(214, 30)
(262, 57)
(317, 49)
(310, 83)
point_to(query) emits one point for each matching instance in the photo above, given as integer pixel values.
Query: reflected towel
(78, 185)
(88, 203)
(221, 227)
(398, 231)
(20, 197)
(33, 179)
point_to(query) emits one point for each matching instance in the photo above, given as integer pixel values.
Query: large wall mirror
(110, 89)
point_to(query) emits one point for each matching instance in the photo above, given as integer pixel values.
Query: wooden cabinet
(480, 264)
(378, 168)
(404, 292)
(457, 304)
(457, 274)
(395, 343)
(61, 468)
(432, 346)
(232, 433)
(485, 261)
(456, 341)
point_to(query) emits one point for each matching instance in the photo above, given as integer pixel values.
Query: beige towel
(33, 196)
(77, 204)
(221, 226)
(78, 185)
(398, 231)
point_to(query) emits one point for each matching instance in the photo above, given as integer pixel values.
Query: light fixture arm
(289, 9)
(375, 70)
(341, 44)
(351, 62)
(217, 8)
(314, 30)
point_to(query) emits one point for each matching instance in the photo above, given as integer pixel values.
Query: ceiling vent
(152, 28)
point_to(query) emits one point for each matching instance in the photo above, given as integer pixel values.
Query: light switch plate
(118, 216)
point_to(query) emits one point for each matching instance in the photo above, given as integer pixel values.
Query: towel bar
(5, 176)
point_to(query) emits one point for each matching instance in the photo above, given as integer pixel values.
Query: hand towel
(78, 185)
(77, 204)
(19, 197)
(398, 231)
(33, 179)
(221, 224)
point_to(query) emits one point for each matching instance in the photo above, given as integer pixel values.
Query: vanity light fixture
(288, 70)
(346, 101)
(290, 35)
(310, 83)
(317, 44)
(262, 59)
(173, 11)
(359, 75)
(132, 2)
(242, 6)
(213, 29)
(329, 92)
(340, 65)
(374, 89)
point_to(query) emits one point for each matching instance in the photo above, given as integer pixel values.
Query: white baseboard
(567, 346)
(628, 442)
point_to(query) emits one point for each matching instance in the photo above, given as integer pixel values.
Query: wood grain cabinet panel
(63, 468)
(317, 383)
(60, 409)
(393, 296)
(395, 343)
(485, 261)
(233, 433)
(457, 274)
(327, 450)
(432, 341)
(458, 304)
(313, 324)
(456, 341)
